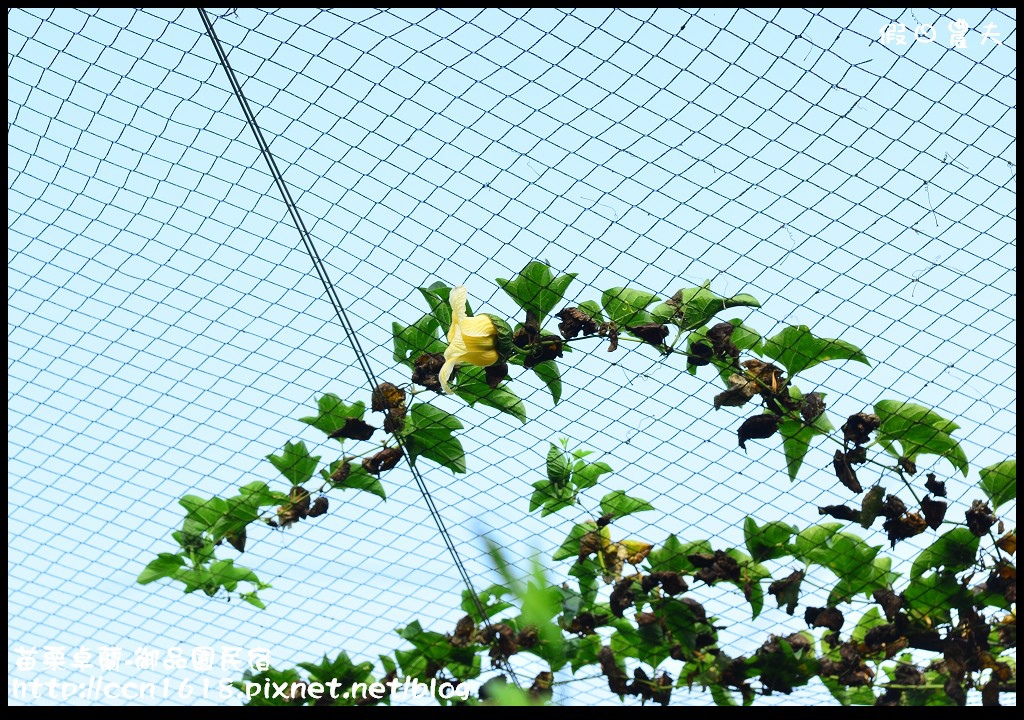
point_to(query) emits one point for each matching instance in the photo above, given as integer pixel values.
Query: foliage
(633, 610)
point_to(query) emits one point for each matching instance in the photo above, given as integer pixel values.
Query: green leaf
(768, 542)
(165, 565)
(870, 619)
(438, 297)
(582, 651)
(929, 598)
(865, 579)
(358, 479)
(416, 339)
(536, 289)
(551, 497)
(591, 308)
(797, 349)
(625, 306)
(252, 599)
(796, 440)
(570, 547)
(333, 413)
(473, 388)
(428, 433)
(557, 466)
(955, 550)
(551, 376)
(849, 695)
(433, 645)
(227, 574)
(815, 540)
(491, 601)
(751, 575)
(204, 512)
(696, 306)
(919, 431)
(295, 463)
(672, 555)
(619, 504)
(663, 313)
(722, 697)
(999, 482)
(585, 475)
(745, 337)
(260, 494)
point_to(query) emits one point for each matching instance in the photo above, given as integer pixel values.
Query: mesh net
(166, 328)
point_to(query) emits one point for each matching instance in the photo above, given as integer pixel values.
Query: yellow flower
(471, 340)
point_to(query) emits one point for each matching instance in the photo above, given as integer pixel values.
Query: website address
(409, 689)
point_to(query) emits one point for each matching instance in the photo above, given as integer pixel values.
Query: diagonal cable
(339, 309)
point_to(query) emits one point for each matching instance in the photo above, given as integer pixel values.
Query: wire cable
(339, 309)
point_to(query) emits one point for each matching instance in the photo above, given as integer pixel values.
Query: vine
(651, 613)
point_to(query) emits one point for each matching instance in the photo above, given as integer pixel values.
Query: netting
(166, 327)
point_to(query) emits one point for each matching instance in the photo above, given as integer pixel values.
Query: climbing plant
(633, 608)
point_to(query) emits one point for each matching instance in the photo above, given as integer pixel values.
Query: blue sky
(166, 329)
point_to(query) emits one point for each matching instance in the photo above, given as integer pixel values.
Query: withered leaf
(548, 347)
(812, 406)
(425, 371)
(495, 374)
(590, 543)
(319, 508)
(394, 420)
(890, 602)
(237, 540)
(844, 472)
(699, 355)
(871, 505)
(857, 455)
(907, 465)
(636, 550)
(528, 637)
(787, 590)
(340, 475)
(353, 429)
(980, 518)
(621, 597)
(574, 322)
(840, 512)
(672, 582)
(386, 396)
(384, 460)
(465, 629)
(990, 693)
(826, 617)
(935, 487)
(758, 427)
(740, 390)
(901, 528)
(528, 333)
(651, 333)
(768, 376)
(934, 511)
(541, 687)
(661, 693)
(719, 334)
(1008, 542)
(611, 670)
(719, 566)
(893, 507)
(610, 331)
(858, 428)
(503, 643)
(296, 508)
